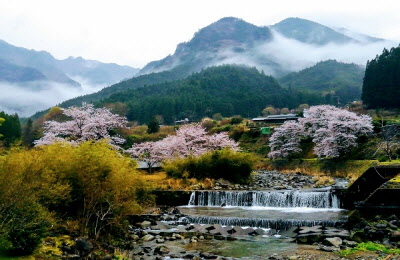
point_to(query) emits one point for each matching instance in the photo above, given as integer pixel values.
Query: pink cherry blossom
(87, 123)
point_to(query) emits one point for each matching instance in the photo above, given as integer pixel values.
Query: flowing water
(279, 210)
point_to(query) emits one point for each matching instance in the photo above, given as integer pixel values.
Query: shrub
(226, 164)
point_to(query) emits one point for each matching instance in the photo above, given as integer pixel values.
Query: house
(275, 119)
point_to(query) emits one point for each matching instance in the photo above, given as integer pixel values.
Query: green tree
(10, 128)
(381, 86)
(153, 126)
(1, 121)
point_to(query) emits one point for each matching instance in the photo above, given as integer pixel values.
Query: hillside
(332, 79)
(310, 32)
(14, 73)
(229, 90)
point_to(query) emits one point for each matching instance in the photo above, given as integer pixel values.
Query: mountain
(96, 72)
(216, 44)
(310, 32)
(229, 90)
(14, 73)
(62, 71)
(39, 60)
(234, 41)
(336, 81)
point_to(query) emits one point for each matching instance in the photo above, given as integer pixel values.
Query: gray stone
(333, 241)
(145, 224)
(147, 238)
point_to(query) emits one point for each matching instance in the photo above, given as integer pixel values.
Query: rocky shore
(275, 180)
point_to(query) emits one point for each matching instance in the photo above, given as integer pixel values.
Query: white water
(286, 200)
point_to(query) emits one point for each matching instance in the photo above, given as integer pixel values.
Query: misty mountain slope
(228, 41)
(39, 60)
(288, 46)
(14, 73)
(310, 32)
(331, 79)
(363, 38)
(229, 90)
(96, 72)
(133, 83)
(61, 71)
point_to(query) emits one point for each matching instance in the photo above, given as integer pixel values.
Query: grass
(369, 246)
(160, 181)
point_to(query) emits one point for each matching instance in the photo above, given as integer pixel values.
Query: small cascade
(280, 199)
(278, 224)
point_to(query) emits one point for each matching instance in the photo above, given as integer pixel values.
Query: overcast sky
(135, 32)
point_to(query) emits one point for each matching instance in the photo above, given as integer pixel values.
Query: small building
(182, 122)
(275, 119)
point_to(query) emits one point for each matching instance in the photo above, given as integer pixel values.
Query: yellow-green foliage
(91, 183)
(370, 246)
(160, 181)
(226, 164)
(51, 246)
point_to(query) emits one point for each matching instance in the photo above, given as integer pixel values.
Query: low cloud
(283, 55)
(30, 97)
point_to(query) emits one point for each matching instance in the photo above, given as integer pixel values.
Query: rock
(145, 224)
(161, 250)
(328, 248)
(73, 257)
(188, 256)
(382, 225)
(147, 238)
(350, 243)
(206, 255)
(333, 241)
(160, 241)
(84, 245)
(293, 257)
(395, 236)
(134, 237)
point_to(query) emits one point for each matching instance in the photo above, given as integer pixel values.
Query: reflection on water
(257, 248)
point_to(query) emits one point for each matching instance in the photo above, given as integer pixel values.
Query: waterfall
(278, 224)
(309, 199)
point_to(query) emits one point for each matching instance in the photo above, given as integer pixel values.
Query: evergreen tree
(28, 133)
(10, 128)
(381, 86)
(153, 126)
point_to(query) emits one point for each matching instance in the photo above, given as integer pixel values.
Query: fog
(286, 55)
(30, 97)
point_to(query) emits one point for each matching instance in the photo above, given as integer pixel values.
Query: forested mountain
(381, 86)
(217, 44)
(61, 71)
(229, 90)
(234, 41)
(336, 81)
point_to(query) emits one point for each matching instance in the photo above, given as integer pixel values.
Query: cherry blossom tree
(190, 140)
(334, 132)
(150, 153)
(87, 123)
(285, 141)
